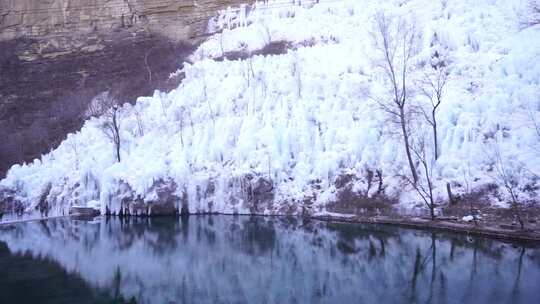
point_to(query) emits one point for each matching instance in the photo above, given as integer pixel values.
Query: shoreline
(493, 232)
(10, 222)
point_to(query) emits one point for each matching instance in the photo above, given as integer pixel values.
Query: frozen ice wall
(272, 132)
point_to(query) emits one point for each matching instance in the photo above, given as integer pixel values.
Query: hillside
(257, 128)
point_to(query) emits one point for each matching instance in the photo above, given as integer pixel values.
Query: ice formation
(271, 133)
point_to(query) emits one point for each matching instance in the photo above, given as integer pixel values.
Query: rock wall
(176, 19)
(56, 55)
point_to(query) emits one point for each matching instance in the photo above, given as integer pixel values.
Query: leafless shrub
(508, 174)
(533, 115)
(362, 192)
(531, 16)
(374, 178)
(467, 176)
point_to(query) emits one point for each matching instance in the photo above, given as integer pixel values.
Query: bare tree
(74, 146)
(249, 73)
(205, 95)
(181, 114)
(432, 86)
(534, 123)
(147, 65)
(140, 127)
(221, 37)
(106, 107)
(266, 33)
(297, 74)
(396, 41)
(111, 128)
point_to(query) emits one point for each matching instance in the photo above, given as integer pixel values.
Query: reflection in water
(224, 259)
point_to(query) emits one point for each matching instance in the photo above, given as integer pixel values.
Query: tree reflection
(433, 266)
(515, 289)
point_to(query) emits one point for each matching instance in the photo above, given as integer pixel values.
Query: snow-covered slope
(271, 134)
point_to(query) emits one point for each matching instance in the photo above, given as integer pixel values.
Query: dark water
(225, 259)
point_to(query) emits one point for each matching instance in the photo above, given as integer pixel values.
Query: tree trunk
(435, 139)
(118, 152)
(450, 195)
(520, 220)
(407, 145)
(116, 136)
(515, 206)
(432, 211)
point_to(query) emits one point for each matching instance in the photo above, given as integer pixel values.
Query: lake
(242, 259)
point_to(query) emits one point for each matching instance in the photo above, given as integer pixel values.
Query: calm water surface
(225, 259)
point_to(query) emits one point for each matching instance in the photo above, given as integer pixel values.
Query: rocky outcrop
(246, 194)
(10, 202)
(368, 199)
(56, 55)
(175, 19)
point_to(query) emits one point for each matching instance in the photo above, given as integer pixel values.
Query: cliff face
(176, 19)
(56, 55)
